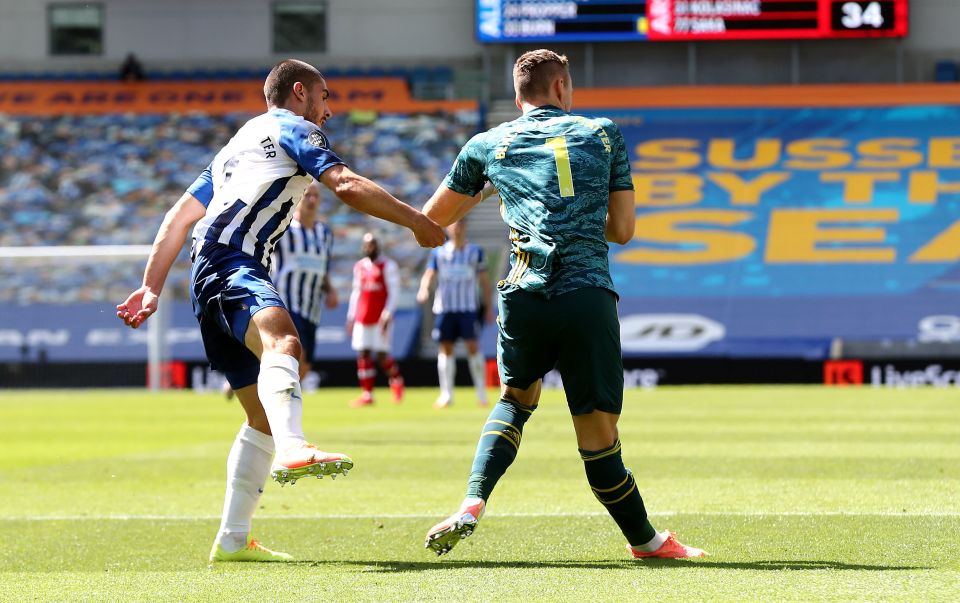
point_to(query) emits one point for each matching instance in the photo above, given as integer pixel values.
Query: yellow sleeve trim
(502, 423)
(602, 455)
(502, 435)
(620, 485)
(613, 502)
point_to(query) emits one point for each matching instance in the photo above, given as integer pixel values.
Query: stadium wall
(780, 231)
(213, 31)
(814, 222)
(50, 98)
(384, 33)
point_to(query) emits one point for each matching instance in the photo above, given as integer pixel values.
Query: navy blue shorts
(451, 326)
(228, 288)
(308, 334)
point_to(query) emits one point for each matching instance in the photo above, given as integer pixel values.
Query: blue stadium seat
(945, 71)
(443, 74)
(153, 166)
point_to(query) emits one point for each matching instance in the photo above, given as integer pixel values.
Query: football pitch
(798, 493)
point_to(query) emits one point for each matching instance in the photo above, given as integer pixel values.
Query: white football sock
(654, 544)
(446, 372)
(279, 389)
(478, 372)
(248, 465)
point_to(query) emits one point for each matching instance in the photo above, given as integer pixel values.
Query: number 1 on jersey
(562, 158)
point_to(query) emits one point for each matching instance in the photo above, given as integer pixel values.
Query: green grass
(799, 493)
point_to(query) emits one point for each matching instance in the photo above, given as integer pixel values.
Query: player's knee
(596, 431)
(524, 397)
(286, 344)
(596, 440)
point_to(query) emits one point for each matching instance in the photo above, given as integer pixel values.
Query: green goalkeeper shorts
(578, 333)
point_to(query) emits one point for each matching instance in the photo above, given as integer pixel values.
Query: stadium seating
(108, 179)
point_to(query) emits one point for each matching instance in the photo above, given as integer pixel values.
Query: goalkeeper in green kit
(565, 189)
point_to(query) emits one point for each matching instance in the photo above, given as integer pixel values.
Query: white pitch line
(336, 516)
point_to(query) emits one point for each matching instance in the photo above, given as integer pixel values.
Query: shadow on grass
(390, 567)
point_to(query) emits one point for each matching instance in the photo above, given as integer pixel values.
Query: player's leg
(307, 332)
(362, 342)
(591, 368)
(249, 460)
(525, 353)
(384, 339)
(272, 336)
(366, 377)
(446, 333)
(248, 466)
(389, 366)
(496, 451)
(447, 373)
(615, 487)
(248, 463)
(500, 438)
(478, 370)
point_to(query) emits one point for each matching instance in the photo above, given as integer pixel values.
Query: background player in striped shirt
(565, 189)
(241, 205)
(301, 264)
(461, 273)
(373, 298)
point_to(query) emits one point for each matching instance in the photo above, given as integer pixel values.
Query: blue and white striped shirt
(252, 185)
(457, 271)
(300, 263)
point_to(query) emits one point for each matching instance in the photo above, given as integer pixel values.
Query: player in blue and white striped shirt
(460, 270)
(241, 205)
(301, 271)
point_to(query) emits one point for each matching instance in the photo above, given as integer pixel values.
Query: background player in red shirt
(376, 284)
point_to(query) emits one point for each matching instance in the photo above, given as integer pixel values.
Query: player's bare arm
(368, 197)
(353, 300)
(426, 281)
(392, 281)
(621, 217)
(173, 232)
(447, 206)
(331, 299)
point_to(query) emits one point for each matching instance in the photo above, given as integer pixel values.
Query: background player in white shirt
(460, 269)
(301, 271)
(376, 284)
(241, 205)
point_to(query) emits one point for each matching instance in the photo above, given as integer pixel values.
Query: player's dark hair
(534, 71)
(280, 80)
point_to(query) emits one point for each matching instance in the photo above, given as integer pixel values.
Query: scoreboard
(687, 20)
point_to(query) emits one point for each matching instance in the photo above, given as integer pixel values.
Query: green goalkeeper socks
(615, 488)
(498, 446)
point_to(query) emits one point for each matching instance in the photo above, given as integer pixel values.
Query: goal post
(46, 258)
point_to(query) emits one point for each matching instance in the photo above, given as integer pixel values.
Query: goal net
(58, 324)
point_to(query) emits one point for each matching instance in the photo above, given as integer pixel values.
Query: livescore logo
(843, 372)
(851, 372)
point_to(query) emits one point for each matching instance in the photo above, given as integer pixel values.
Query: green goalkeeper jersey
(554, 172)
